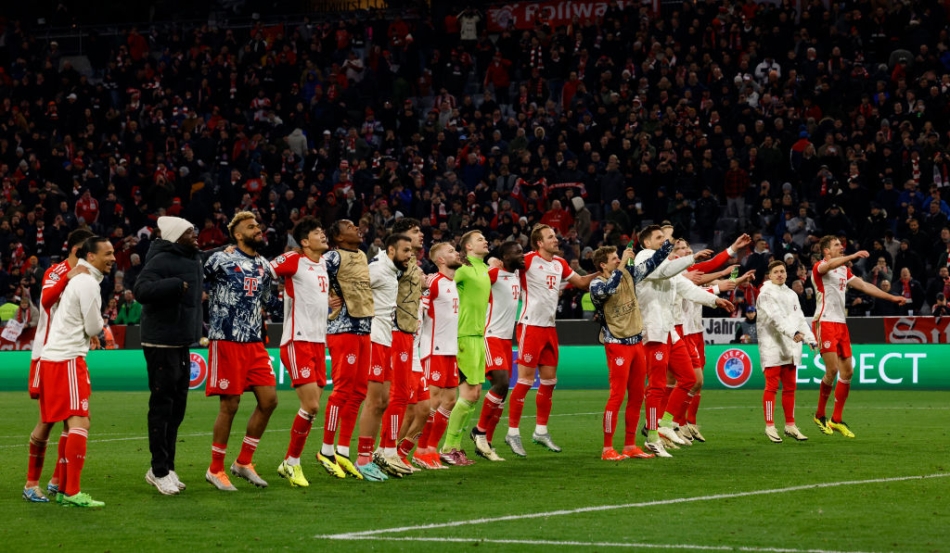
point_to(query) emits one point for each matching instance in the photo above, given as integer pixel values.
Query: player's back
(439, 334)
(306, 286)
(541, 283)
(503, 304)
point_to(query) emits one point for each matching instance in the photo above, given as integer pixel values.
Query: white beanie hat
(173, 227)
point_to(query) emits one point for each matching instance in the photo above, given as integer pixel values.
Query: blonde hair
(237, 219)
(435, 252)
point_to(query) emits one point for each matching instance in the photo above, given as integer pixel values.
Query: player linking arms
(613, 292)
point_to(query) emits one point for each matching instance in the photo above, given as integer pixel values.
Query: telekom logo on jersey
(552, 282)
(251, 284)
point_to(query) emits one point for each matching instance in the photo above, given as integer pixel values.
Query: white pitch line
(625, 545)
(145, 437)
(599, 508)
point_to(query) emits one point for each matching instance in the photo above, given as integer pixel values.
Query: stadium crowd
(720, 117)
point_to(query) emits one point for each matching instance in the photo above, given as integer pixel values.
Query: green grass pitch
(737, 492)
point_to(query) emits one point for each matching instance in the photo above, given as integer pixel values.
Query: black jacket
(171, 315)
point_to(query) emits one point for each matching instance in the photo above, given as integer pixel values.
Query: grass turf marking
(597, 508)
(568, 543)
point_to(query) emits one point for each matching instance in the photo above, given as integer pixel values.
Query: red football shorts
(306, 362)
(236, 367)
(441, 371)
(380, 365)
(350, 362)
(418, 388)
(64, 390)
(34, 381)
(537, 345)
(833, 338)
(696, 339)
(497, 355)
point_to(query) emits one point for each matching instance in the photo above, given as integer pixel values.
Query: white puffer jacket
(779, 318)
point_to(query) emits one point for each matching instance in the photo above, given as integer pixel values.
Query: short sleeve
(850, 274)
(566, 272)
(493, 274)
(285, 265)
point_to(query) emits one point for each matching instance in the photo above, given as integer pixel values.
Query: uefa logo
(734, 368)
(199, 371)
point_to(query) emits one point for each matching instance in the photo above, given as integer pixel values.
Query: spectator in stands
(130, 311)
(887, 308)
(879, 272)
(940, 307)
(911, 289)
(938, 285)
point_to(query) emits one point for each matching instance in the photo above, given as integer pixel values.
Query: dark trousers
(169, 373)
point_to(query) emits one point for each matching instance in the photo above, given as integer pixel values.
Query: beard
(454, 265)
(256, 243)
(401, 265)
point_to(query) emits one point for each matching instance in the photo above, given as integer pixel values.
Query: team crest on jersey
(658, 355)
(404, 356)
(436, 376)
(734, 368)
(377, 370)
(223, 384)
(499, 360)
(351, 359)
(305, 373)
(85, 405)
(619, 361)
(827, 344)
(199, 371)
(528, 357)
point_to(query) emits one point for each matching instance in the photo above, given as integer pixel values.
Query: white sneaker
(657, 449)
(165, 485)
(670, 434)
(684, 435)
(181, 485)
(396, 463)
(792, 431)
(772, 433)
(694, 430)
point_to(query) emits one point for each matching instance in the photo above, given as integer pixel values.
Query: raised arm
(641, 270)
(839, 261)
